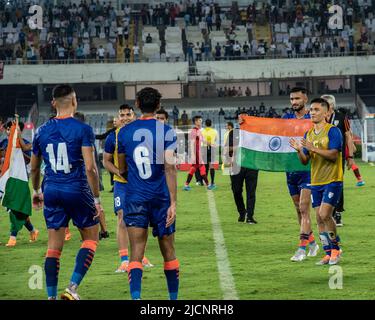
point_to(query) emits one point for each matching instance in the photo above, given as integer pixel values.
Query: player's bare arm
(297, 145)
(330, 154)
(192, 150)
(108, 164)
(25, 146)
(121, 164)
(36, 162)
(171, 178)
(350, 145)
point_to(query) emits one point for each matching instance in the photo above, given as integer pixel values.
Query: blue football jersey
(59, 142)
(143, 142)
(302, 175)
(4, 146)
(293, 116)
(110, 143)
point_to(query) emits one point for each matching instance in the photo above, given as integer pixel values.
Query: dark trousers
(198, 176)
(340, 205)
(250, 177)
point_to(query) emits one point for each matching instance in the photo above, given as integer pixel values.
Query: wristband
(38, 192)
(97, 200)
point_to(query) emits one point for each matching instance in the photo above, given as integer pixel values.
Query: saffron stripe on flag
(276, 127)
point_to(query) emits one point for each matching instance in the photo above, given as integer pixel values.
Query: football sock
(51, 269)
(83, 261)
(204, 178)
(311, 239)
(334, 239)
(212, 173)
(325, 242)
(29, 226)
(304, 241)
(190, 176)
(356, 172)
(171, 271)
(124, 256)
(135, 271)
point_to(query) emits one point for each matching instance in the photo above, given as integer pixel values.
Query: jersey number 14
(62, 161)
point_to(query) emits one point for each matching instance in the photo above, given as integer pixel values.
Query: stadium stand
(73, 31)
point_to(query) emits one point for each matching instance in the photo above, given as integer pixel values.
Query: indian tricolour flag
(264, 143)
(14, 186)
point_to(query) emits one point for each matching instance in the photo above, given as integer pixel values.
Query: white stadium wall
(288, 68)
(162, 72)
(93, 73)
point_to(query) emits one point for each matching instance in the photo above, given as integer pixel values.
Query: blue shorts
(328, 193)
(297, 181)
(145, 213)
(74, 201)
(119, 196)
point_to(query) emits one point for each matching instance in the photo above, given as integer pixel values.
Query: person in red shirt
(197, 163)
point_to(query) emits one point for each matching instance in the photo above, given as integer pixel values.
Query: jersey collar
(64, 117)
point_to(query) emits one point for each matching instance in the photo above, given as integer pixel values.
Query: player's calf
(84, 259)
(52, 268)
(135, 273)
(171, 271)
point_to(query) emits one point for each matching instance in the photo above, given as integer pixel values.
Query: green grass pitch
(259, 255)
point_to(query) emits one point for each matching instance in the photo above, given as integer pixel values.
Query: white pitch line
(225, 274)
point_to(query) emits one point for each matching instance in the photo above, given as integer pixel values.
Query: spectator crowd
(95, 30)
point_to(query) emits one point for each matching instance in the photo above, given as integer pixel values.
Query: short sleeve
(193, 134)
(110, 143)
(120, 140)
(335, 139)
(170, 140)
(88, 138)
(36, 146)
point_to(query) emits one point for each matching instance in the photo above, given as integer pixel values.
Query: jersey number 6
(141, 159)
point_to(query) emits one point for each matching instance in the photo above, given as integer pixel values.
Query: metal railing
(210, 57)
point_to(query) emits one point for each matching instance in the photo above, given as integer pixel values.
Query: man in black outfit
(239, 175)
(341, 121)
(104, 136)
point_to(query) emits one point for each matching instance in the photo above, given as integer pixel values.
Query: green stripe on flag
(17, 196)
(271, 161)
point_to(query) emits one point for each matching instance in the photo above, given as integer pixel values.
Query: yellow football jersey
(115, 159)
(209, 135)
(324, 171)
